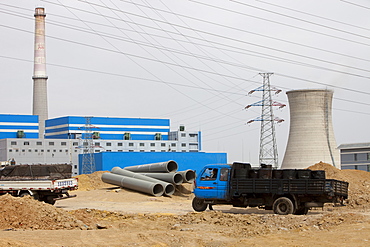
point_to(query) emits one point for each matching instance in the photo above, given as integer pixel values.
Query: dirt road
(104, 216)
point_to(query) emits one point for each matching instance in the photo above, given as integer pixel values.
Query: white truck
(46, 183)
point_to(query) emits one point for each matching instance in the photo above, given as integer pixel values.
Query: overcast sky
(193, 62)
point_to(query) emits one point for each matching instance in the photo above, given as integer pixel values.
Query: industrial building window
(66, 150)
(97, 151)
(51, 143)
(13, 143)
(119, 144)
(163, 144)
(36, 150)
(10, 150)
(183, 134)
(63, 143)
(173, 144)
(152, 144)
(75, 144)
(368, 156)
(54, 150)
(355, 157)
(75, 166)
(142, 144)
(152, 150)
(60, 150)
(29, 150)
(23, 150)
(119, 150)
(109, 144)
(142, 151)
(48, 150)
(16, 150)
(26, 143)
(42, 150)
(183, 144)
(38, 143)
(131, 144)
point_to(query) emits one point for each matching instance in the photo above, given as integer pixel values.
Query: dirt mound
(27, 213)
(87, 182)
(359, 183)
(225, 224)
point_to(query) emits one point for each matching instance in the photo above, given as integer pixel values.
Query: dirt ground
(102, 215)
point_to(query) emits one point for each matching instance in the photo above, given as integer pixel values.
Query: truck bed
(330, 187)
(39, 184)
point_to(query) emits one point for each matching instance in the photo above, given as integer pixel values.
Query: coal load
(36, 172)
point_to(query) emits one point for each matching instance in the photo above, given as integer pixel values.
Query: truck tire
(301, 210)
(50, 200)
(198, 204)
(283, 206)
(23, 194)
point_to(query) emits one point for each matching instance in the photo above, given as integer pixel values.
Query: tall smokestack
(40, 103)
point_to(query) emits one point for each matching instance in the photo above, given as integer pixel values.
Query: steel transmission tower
(88, 161)
(268, 148)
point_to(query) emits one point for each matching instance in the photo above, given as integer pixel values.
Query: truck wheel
(283, 206)
(301, 210)
(23, 194)
(50, 200)
(199, 205)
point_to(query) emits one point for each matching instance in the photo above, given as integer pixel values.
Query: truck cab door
(213, 184)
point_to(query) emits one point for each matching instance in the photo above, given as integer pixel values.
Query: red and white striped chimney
(40, 102)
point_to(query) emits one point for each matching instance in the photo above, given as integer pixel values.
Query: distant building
(355, 156)
(148, 139)
(19, 126)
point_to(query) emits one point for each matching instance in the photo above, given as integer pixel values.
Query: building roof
(354, 145)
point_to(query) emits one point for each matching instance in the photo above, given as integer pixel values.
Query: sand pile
(27, 213)
(359, 183)
(87, 182)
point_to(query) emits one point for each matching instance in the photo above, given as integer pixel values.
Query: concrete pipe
(154, 189)
(188, 176)
(173, 177)
(168, 166)
(169, 189)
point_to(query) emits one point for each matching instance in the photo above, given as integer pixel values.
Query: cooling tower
(40, 104)
(311, 136)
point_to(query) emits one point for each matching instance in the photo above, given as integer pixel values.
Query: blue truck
(285, 191)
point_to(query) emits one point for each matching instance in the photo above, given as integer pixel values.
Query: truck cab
(212, 185)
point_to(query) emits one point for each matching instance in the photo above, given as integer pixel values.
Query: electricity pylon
(268, 154)
(88, 161)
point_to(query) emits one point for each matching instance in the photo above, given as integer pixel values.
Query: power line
(317, 16)
(280, 23)
(295, 18)
(232, 39)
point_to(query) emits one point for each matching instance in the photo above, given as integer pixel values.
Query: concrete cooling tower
(311, 136)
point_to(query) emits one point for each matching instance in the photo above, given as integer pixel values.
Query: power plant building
(142, 140)
(311, 136)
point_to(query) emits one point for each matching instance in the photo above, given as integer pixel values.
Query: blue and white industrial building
(117, 142)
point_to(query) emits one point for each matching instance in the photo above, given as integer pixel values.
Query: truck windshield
(209, 174)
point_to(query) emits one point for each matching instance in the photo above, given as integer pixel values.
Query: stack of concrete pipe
(156, 179)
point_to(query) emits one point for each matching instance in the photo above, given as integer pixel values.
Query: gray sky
(192, 61)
